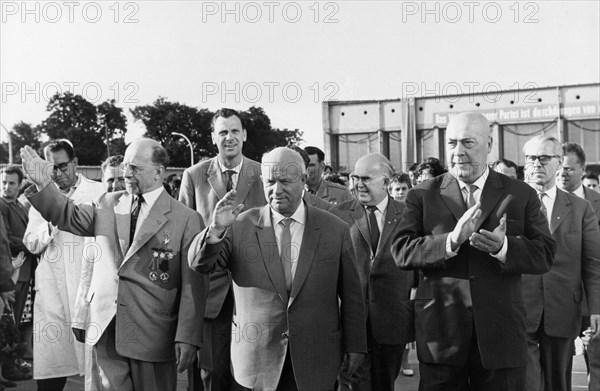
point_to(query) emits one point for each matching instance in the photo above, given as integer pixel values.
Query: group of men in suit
(292, 296)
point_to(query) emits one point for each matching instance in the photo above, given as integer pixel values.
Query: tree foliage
(22, 134)
(163, 117)
(87, 126)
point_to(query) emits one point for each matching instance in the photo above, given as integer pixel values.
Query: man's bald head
(284, 176)
(468, 142)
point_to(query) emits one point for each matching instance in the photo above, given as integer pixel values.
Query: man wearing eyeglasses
(58, 272)
(553, 301)
(373, 219)
(146, 304)
(473, 233)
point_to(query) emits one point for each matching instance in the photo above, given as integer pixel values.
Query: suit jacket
(15, 221)
(557, 295)
(386, 288)
(202, 186)
(317, 202)
(309, 321)
(443, 323)
(594, 198)
(6, 269)
(150, 315)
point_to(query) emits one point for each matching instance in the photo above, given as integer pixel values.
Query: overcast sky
(285, 56)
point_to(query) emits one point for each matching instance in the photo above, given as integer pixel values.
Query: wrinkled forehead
(282, 170)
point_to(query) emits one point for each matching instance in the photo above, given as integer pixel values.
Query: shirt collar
(151, 196)
(74, 187)
(237, 168)
(382, 206)
(551, 192)
(299, 215)
(480, 182)
(579, 192)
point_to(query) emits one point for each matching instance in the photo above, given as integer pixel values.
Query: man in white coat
(56, 353)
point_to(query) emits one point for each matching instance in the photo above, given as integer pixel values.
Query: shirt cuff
(214, 239)
(501, 255)
(449, 252)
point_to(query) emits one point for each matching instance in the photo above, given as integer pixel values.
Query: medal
(159, 265)
(153, 276)
(164, 277)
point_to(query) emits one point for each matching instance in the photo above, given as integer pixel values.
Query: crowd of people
(283, 275)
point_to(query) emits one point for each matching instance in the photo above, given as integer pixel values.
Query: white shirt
(296, 230)
(549, 200)
(480, 183)
(235, 175)
(149, 200)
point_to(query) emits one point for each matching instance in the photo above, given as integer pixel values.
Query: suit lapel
(392, 219)
(490, 196)
(452, 196)
(245, 179)
(215, 178)
(270, 253)
(562, 205)
(360, 219)
(152, 223)
(311, 235)
(123, 220)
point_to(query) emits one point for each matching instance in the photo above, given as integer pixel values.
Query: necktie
(373, 227)
(286, 252)
(135, 213)
(543, 206)
(470, 195)
(229, 179)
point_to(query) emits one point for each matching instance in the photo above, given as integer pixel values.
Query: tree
(88, 127)
(162, 118)
(24, 134)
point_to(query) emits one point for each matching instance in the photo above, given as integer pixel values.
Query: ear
(490, 143)
(75, 161)
(244, 135)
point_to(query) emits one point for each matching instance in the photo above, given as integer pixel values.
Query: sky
(287, 57)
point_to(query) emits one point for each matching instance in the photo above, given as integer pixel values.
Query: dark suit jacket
(386, 287)
(150, 315)
(15, 221)
(443, 324)
(594, 198)
(311, 322)
(202, 186)
(557, 295)
(6, 269)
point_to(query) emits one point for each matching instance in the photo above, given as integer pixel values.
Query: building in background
(410, 130)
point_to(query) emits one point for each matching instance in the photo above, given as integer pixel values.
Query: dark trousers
(470, 377)
(21, 289)
(287, 381)
(549, 360)
(54, 384)
(381, 367)
(213, 372)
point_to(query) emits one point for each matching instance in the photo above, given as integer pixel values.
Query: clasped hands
(484, 240)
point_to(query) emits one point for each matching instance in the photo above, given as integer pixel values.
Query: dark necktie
(286, 252)
(135, 213)
(543, 206)
(373, 227)
(470, 195)
(229, 179)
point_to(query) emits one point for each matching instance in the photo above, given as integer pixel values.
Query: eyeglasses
(544, 159)
(364, 179)
(62, 166)
(134, 168)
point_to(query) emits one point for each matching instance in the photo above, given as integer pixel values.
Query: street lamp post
(190, 144)
(10, 149)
